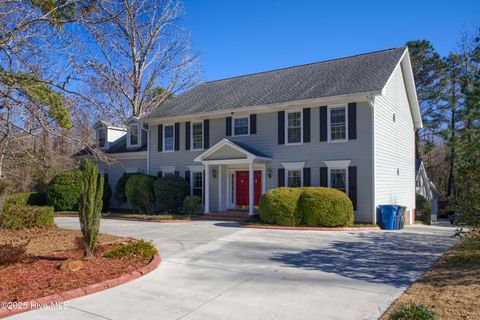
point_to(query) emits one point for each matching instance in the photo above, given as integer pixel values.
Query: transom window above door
(197, 135)
(169, 138)
(338, 123)
(294, 127)
(241, 126)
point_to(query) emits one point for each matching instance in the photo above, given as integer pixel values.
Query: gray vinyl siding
(359, 151)
(394, 145)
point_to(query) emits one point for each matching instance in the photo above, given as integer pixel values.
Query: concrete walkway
(211, 270)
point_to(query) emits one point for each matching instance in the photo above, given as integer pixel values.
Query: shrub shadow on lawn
(386, 258)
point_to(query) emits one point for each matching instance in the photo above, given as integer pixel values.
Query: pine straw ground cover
(452, 286)
(39, 274)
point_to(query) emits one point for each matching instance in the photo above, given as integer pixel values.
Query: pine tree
(90, 205)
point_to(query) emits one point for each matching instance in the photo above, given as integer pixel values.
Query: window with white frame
(133, 135)
(338, 179)
(197, 135)
(338, 123)
(241, 126)
(197, 184)
(294, 127)
(294, 178)
(102, 137)
(168, 138)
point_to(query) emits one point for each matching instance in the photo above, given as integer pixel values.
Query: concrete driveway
(212, 270)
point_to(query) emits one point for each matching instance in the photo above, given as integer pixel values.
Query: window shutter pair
(160, 137)
(305, 124)
(307, 181)
(352, 122)
(206, 134)
(253, 125)
(352, 183)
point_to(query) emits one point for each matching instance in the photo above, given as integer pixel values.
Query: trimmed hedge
(279, 206)
(191, 204)
(325, 207)
(64, 190)
(21, 216)
(139, 192)
(26, 198)
(170, 191)
(119, 193)
(312, 206)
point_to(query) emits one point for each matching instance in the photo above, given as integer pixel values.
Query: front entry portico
(240, 172)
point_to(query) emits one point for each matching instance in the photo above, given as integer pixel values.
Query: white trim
(233, 126)
(226, 142)
(207, 188)
(132, 170)
(164, 137)
(268, 108)
(129, 134)
(219, 176)
(286, 127)
(231, 202)
(167, 169)
(129, 155)
(329, 128)
(337, 163)
(293, 165)
(191, 135)
(196, 168)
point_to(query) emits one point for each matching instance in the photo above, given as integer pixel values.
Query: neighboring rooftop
(362, 73)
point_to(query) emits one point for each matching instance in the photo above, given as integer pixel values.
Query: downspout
(371, 102)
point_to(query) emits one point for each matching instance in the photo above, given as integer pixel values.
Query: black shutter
(177, 173)
(307, 181)
(187, 135)
(206, 134)
(352, 121)
(352, 185)
(323, 177)
(228, 125)
(281, 127)
(253, 124)
(159, 174)
(177, 136)
(281, 177)
(160, 138)
(187, 176)
(306, 125)
(323, 123)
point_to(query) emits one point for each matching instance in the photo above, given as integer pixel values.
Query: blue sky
(236, 37)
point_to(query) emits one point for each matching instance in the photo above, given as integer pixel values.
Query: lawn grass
(452, 286)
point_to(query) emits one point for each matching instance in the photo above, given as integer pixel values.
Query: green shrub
(107, 194)
(26, 198)
(279, 206)
(64, 190)
(139, 192)
(422, 208)
(141, 249)
(192, 204)
(413, 312)
(119, 194)
(170, 191)
(21, 216)
(325, 207)
(12, 253)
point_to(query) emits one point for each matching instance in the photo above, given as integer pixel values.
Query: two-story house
(347, 123)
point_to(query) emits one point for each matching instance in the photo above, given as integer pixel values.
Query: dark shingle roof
(120, 146)
(250, 149)
(356, 74)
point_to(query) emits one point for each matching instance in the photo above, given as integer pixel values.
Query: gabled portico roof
(227, 151)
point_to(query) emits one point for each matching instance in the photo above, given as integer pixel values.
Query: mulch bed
(39, 275)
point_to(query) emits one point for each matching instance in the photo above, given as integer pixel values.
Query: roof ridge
(302, 65)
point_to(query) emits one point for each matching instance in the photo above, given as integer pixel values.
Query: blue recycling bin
(388, 216)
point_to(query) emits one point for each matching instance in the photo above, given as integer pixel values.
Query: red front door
(241, 186)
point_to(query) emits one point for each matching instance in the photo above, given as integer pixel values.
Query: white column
(220, 206)
(250, 188)
(207, 188)
(264, 179)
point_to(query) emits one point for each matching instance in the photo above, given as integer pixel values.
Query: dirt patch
(40, 275)
(452, 286)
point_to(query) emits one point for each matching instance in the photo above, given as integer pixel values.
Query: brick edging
(79, 292)
(132, 219)
(256, 226)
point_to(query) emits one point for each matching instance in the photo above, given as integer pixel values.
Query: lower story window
(197, 184)
(338, 179)
(294, 178)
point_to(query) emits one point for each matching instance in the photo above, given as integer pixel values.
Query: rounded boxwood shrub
(279, 206)
(21, 216)
(192, 204)
(325, 207)
(64, 190)
(170, 191)
(119, 193)
(139, 192)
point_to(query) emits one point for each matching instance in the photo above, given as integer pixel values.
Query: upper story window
(133, 135)
(338, 179)
(197, 135)
(169, 138)
(294, 127)
(337, 123)
(241, 126)
(102, 137)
